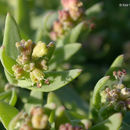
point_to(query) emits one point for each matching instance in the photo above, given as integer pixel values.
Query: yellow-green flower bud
(40, 50)
(23, 59)
(39, 121)
(29, 67)
(36, 75)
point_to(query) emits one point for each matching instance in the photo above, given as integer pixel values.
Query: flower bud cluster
(71, 14)
(32, 60)
(118, 95)
(119, 75)
(37, 119)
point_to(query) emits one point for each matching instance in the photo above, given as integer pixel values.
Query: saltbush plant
(45, 70)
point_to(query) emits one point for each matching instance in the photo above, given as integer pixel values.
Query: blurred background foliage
(109, 38)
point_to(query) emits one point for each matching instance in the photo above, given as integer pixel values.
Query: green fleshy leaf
(76, 32)
(96, 95)
(7, 113)
(116, 65)
(8, 51)
(112, 123)
(11, 36)
(57, 80)
(62, 54)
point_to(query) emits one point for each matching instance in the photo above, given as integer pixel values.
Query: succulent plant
(43, 51)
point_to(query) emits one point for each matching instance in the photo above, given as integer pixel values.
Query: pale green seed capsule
(40, 50)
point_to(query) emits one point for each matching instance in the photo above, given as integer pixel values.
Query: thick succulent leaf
(8, 50)
(116, 65)
(76, 32)
(62, 54)
(7, 113)
(96, 95)
(57, 80)
(112, 123)
(11, 36)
